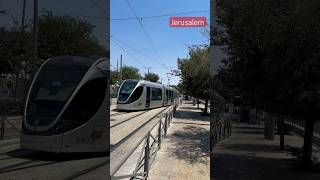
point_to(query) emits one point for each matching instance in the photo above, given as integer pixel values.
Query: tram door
(148, 97)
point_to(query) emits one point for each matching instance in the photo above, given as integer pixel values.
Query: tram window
(136, 94)
(126, 89)
(87, 101)
(51, 90)
(156, 94)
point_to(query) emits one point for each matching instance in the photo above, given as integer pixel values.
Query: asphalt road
(16, 163)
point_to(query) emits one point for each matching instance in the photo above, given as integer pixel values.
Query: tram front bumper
(41, 143)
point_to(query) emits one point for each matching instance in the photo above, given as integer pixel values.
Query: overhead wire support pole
(23, 15)
(120, 78)
(35, 30)
(148, 68)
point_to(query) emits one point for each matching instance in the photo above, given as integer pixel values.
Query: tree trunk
(206, 107)
(307, 145)
(198, 103)
(281, 128)
(273, 119)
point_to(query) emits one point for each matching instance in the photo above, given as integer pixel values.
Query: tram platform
(184, 152)
(246, 154)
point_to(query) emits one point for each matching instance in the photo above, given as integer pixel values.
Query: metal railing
(220, 129)
(297, 126)
(10, 126)
(151, 143)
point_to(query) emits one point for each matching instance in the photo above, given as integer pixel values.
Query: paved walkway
(184, 153)
(246, 155)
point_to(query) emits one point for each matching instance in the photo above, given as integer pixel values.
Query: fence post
(146, 155)
(170, 116)
(2, 121)
(165, 124)
(230, 128)
(159, 134)
(220, 128)
(224, 130)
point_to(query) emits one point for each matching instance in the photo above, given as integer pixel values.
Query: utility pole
(23, 15)
(35, 30)
(148, 69)
(120, 79)
(117, 66)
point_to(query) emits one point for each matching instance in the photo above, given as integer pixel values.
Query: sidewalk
(8, 142)
(184, 152)
(246, 155)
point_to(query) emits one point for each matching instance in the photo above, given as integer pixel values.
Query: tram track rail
(116, 114)
(87, 170)
(130, 118)
(37, 161)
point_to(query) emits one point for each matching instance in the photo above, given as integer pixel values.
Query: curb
(9, 142)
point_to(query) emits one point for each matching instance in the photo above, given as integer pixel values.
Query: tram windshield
(51, 90)
(126, 89)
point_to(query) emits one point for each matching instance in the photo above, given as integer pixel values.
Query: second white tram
(141, 94)
(66, 107)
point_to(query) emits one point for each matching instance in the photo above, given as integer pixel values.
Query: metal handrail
(220, 129)
(4, 120)
(147, 154)
(297, 128)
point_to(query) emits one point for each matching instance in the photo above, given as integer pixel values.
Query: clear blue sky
(170, 43)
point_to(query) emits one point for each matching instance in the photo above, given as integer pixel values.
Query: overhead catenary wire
(146, 33)
(116, 43)
(99, 7)
(134, 18)
(134, 49)
(159, 16)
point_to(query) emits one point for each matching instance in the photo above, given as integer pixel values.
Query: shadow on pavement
(242, 167)
(192, 144)
(189, 107)
(252, 132)
(32, 157)
(251, 148)
(186, 114)
(47, 156)
(248, 128)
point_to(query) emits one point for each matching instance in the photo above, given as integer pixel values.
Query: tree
(66, 35)
(15, 47)
(58, 35)
(153, 77)
(274, 57)
(129, 72)
(114, 78)
(195, 73)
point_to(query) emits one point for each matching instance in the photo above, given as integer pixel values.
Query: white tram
(66, 108)
(141, 94)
